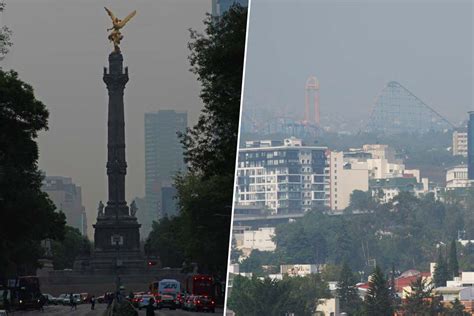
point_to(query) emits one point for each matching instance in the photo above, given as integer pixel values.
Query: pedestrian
(72, 301)
(110, 299)
(92, 302)
(6, 301)
(150, 309)
(42, 301)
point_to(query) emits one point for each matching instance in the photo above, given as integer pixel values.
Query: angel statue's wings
(112, 16)
(124, 21)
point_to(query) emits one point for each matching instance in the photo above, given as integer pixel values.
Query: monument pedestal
(117, 244)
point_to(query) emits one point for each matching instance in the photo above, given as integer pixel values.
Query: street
(85, 310)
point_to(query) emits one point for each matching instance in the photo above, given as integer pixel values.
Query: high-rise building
(283, 177)
(470, 146)
(163, 157)
(343, 180)
(460, 143)
(67, 197)
(221, 6)
(169, 205)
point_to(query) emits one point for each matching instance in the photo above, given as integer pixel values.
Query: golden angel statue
(115, 36)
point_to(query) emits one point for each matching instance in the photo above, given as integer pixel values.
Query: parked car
(203, 303)
(62, 298)
(100, 299)
(166, 301)
(77, 298)
(50, 300)
(3, 312)
(67, 299)
(144, 301)
(136, 298)
(187, 302)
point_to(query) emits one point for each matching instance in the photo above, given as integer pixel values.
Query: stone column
(116, 79)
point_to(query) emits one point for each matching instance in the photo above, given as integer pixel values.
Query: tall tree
(453, 265)
(165, 241)
(297, 295)
(456, 309)
(418, 302)
(254, 297)
(217, 58)
(5, 36)
(67, 250)
(28, 216)
(378, 301)
(205, 191)
(440, 275)
(347, 292)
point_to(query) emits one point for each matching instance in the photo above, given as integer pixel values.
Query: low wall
(59, 282)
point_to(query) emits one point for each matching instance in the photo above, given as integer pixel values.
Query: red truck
(200, 284)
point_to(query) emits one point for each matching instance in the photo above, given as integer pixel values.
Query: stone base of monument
(99, 282)
(128, 262)
(117, 245)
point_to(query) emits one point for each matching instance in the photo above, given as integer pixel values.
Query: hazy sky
(61, 47)
(355, 48)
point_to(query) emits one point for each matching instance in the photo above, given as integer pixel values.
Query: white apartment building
(285, 177)
(387, 189)
(456, 177)
(461, 288)
(460, 143)
(260, 239)
(379, 160)
(301, 269)
(343, 181)
(379, 151)
(466, 279)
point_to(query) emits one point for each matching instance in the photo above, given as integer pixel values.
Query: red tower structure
(312, 100)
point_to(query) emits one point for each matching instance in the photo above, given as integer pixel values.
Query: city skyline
(65, 69)
(355, 48)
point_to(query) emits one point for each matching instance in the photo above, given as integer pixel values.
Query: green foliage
(378, 301)
(453, 265)
(217, 58)
(456, 309)
(418, 302)
(165, 241)
(331, 272)
(28, 215)
(349, 300)
(205, 192)
(440, 275)
(67, 250)
(401, 233)
(5, 36)
(361, 201)
(297, 295)
(256, 260)
(205, 206)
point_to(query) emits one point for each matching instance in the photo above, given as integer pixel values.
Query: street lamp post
(117, 241)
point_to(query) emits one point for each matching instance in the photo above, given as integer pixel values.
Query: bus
(167, 293)
(29, 294)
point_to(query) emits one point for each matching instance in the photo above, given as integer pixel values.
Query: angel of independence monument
(116, 232)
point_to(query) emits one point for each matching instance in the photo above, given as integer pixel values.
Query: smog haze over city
(62, 55)
(355, 48)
